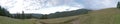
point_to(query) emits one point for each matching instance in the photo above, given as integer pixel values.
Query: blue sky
(97, 4)
(52, 6)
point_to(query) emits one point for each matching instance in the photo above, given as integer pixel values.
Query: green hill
(105, 16)
(6, 20)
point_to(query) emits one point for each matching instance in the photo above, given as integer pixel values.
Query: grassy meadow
(105, 16)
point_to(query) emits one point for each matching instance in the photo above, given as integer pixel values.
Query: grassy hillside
(6, 20)
(105, 16)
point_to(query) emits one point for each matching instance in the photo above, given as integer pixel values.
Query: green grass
(117, 19)
(105, 16)
(6, 20)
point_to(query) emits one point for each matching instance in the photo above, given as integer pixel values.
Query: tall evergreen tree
(4, 12)
(23, 15)
(118, 5)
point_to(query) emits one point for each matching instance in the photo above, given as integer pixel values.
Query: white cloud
(53, 9)
(99, 4)
(40, 6)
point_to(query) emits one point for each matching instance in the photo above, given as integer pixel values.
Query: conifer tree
(118, 5)
(4, 12)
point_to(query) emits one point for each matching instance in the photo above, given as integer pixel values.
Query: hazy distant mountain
(55, 15)
(68, 13)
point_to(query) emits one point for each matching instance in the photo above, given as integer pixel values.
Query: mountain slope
(105, 16)
(6, 20)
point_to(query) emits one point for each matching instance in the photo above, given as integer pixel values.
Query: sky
(52, 6)
(98, 4)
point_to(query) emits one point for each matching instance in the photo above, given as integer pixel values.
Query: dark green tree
(118, 5)
(20, 16)
(23, 16)
(44, 16)
(4, 12)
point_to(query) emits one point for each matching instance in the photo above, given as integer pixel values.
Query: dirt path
(71, 21)
(76, 21)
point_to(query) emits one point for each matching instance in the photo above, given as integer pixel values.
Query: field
(105, 16)
(6, 20)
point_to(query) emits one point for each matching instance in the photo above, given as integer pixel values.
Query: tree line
(66, 14)
(4, 12)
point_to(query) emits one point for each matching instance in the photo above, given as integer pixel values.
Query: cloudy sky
(52, 6)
